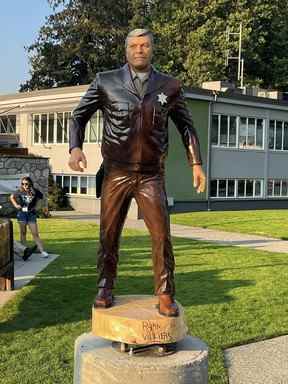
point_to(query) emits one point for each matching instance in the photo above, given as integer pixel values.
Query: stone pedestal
(135, 323)
(96, 362)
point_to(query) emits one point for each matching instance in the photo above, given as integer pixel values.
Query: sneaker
(44, 255)
(27, 253)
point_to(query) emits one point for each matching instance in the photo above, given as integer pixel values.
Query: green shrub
(57, 198)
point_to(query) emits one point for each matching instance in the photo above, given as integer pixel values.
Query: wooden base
(6, 255)
(136, 320)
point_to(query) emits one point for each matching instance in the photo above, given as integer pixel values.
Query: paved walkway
(25, 271)
(264, 362)
(203, 234)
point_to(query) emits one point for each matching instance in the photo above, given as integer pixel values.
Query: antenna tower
(229, 56)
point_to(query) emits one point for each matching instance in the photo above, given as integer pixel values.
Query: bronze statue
(136, 101)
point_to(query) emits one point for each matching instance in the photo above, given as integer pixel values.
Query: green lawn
(265, 223)
(231, 296)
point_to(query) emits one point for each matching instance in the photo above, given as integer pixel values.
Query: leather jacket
(135, 133)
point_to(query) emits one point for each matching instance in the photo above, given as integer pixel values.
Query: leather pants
(119, 187)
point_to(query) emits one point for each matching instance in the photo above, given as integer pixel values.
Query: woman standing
(25, 200)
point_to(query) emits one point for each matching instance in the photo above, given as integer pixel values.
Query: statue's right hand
(77, 158)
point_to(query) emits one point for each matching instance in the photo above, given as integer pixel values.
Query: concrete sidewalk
(24, 272)
(230, 238)
(264, 362)
(202, 234)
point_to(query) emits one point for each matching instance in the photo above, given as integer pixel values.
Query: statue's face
(139, 52)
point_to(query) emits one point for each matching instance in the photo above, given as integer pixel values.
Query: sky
(20, 21)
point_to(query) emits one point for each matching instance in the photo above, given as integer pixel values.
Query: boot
(167, 306)
(104, 298)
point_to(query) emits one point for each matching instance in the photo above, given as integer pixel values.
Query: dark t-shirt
(28, 200)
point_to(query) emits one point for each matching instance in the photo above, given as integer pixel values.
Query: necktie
(139, 86)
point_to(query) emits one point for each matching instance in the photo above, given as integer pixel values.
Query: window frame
(238, 119)
(7, 130)
(79, 177)
(284, 127)
(98, 116)
(62, 118)
(236, 184)
(66, 115)
(280, 196)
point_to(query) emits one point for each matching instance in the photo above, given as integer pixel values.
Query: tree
(193, 41)
(79, 39)
(83, 37)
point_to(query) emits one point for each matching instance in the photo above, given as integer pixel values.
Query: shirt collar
(143, 78)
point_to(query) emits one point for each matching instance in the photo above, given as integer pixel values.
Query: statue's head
(139, 49)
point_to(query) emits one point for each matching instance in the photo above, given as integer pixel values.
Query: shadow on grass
(64, 292)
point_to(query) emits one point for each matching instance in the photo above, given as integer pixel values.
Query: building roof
(20, 99)
(29, 100)
(44, 92)
(234, 97)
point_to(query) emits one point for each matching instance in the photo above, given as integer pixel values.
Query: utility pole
(230, 56)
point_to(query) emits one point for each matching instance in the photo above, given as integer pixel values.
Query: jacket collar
(155, 80)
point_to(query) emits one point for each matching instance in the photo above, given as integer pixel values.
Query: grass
(273, 223)
(231, 296)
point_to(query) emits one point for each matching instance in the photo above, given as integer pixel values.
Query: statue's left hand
(199, 178)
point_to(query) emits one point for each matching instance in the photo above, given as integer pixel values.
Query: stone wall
(36, 167)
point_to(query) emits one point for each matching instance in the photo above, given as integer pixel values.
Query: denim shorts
(26, 217)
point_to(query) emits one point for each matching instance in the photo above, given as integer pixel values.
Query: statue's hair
(139, 32)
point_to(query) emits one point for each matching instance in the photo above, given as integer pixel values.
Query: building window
(83, 185)
(241, 188)
(58, 180)
(278, 135)
(52, 128)
(230, 188)
(43, 130)
(66, 184)
(237, 132)
(215, 129)
(224, 130)
(74, 184)
(8, 124)
(236, 188)
(277, 188)
(61, 126)
(242, 132)
(91, 186)
(94, 129)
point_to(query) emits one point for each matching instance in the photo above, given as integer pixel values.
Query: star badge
(162, 98)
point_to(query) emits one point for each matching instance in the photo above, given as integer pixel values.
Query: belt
(134, 167)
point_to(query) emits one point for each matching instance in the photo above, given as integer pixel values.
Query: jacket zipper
(139, 146)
